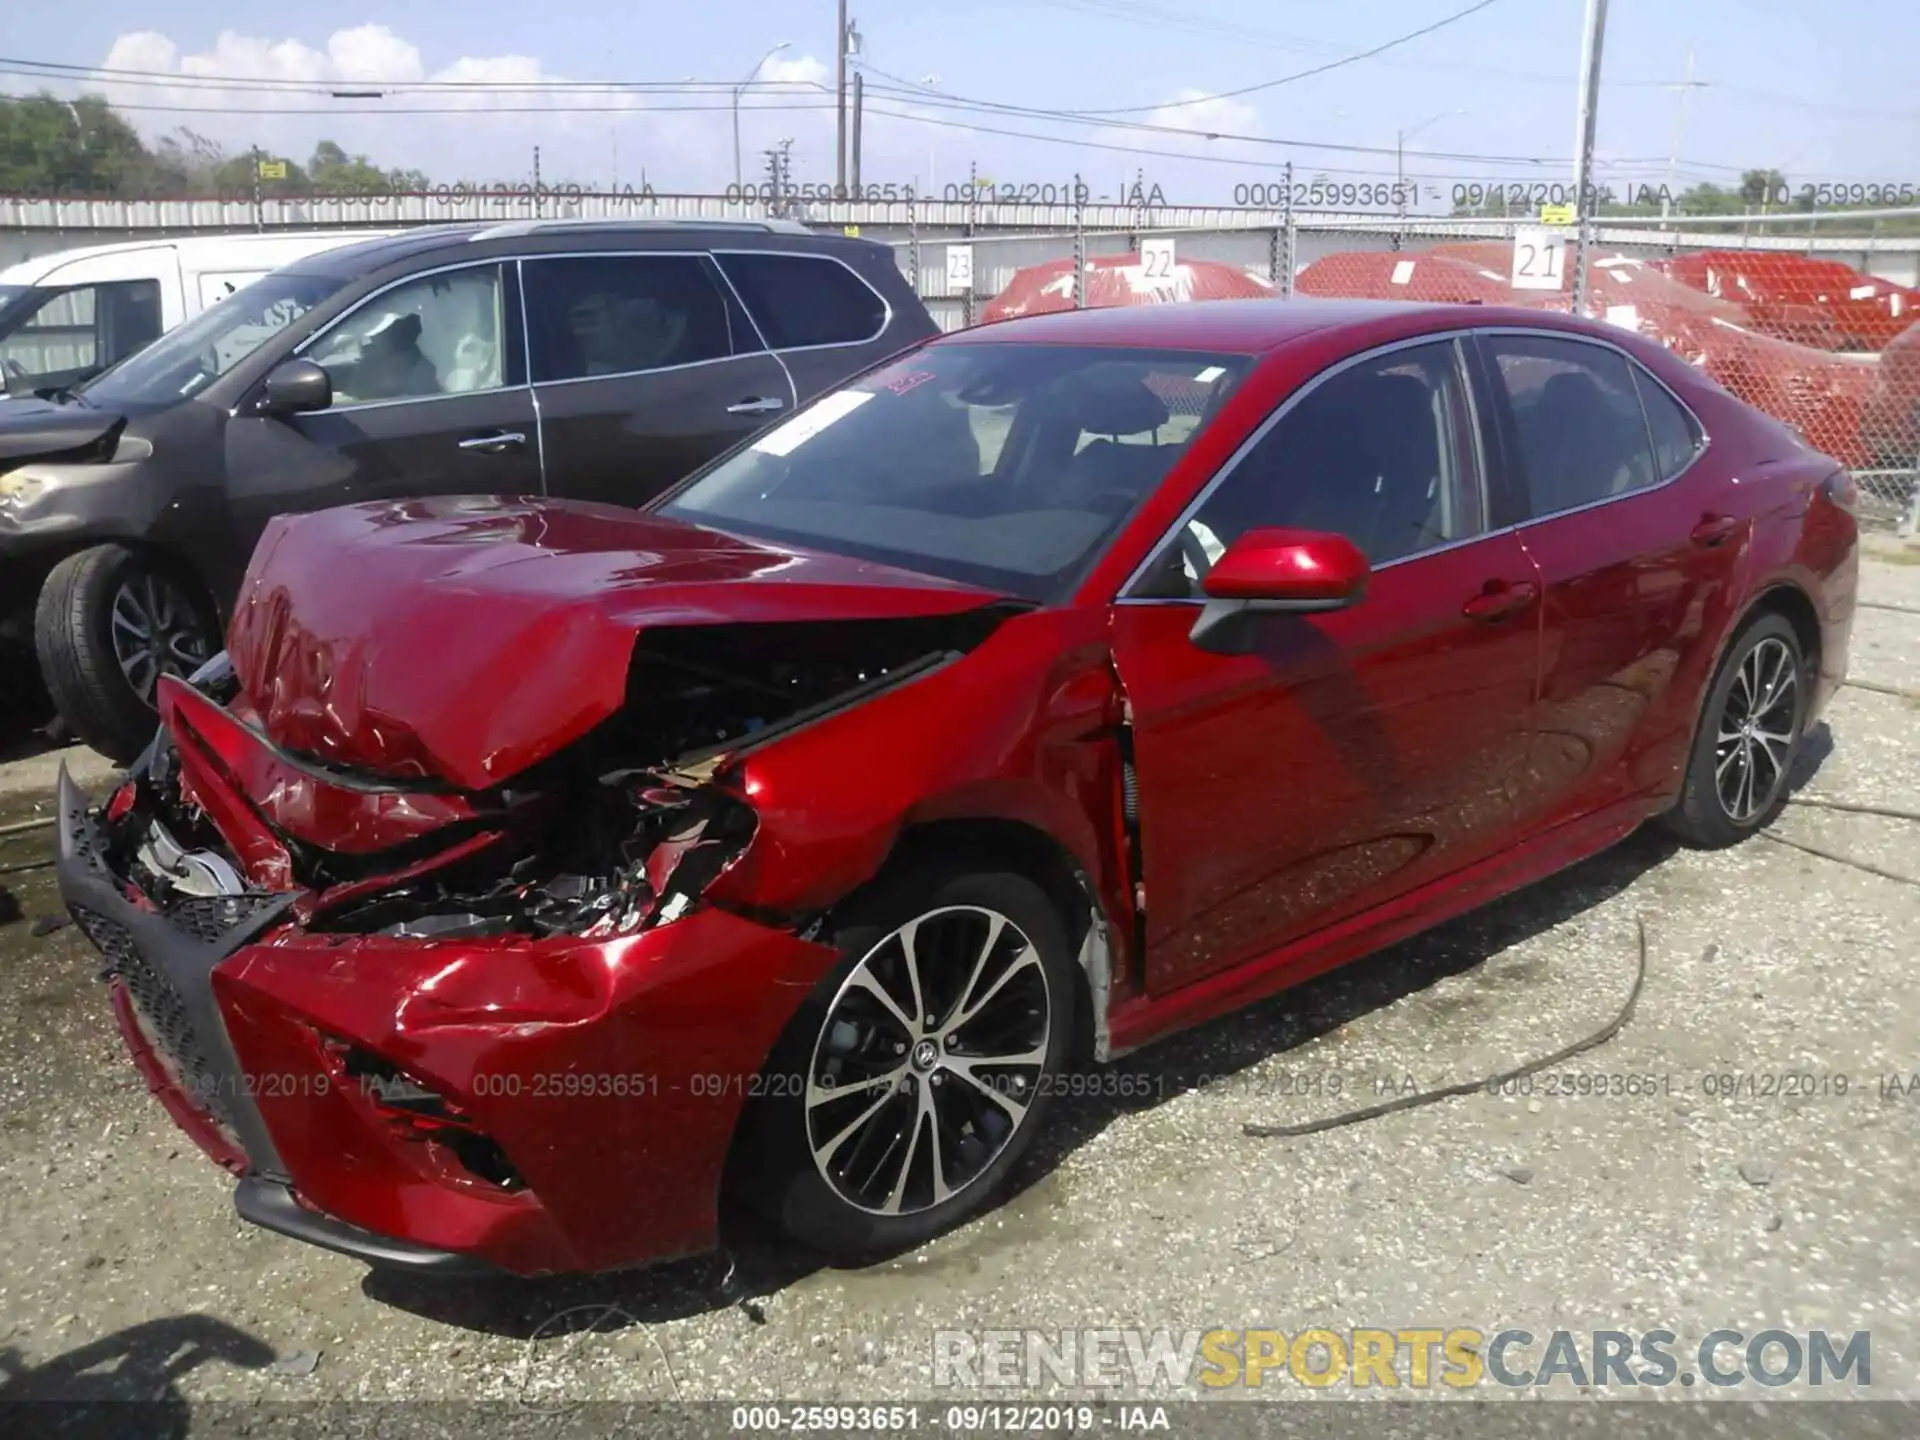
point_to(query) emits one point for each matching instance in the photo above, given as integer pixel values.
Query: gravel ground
(128, 1274)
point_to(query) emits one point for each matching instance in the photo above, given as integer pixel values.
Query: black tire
(776, 1166)
(73, 635)
(1703, 817)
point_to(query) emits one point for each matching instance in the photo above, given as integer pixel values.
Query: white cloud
(802, 70)
(582, 134)
(1206, 116)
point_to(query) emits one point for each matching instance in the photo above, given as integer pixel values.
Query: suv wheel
(111, 622)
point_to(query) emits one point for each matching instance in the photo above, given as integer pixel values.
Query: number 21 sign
(1539, 258)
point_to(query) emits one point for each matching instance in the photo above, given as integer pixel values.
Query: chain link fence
(1813, 319)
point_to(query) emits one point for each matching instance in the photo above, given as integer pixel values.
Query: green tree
(65, 147)
(1761, 187)
(338, 173)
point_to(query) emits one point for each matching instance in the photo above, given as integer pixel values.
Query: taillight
(1840, 490)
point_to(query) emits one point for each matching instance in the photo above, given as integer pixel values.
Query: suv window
(800, 300)
(81, 327)
(437, 335)
(1676, 434)
(618, 314)
(1380, 452)
(1583, 436)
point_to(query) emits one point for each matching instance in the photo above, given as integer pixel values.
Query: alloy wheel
(156, 632)
(928, 1061)
(1755, 737)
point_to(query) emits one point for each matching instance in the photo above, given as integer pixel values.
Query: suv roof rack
(511, 228)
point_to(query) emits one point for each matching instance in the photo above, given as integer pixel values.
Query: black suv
(594, 360)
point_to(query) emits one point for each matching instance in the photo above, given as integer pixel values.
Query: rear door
(645, 367)
(429, 398)
(1639, 563)
(1352, 755)
(815, 312)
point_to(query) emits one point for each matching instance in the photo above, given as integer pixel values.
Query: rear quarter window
(802, 300)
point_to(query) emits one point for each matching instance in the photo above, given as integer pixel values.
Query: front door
(429, 398)
(1640, 569)
(645, 368)
(1352, 755)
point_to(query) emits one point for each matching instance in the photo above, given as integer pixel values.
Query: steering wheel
(1196, 556)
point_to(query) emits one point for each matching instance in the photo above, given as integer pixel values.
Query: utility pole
(259, 223)
(859, 97)
(840, 98)
(1686, 87)
(1590, 48)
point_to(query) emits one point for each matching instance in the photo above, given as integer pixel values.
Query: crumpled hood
(466, 638)
(34, 429)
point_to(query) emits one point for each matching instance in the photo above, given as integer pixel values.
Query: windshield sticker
(785, 439)
(912, 380)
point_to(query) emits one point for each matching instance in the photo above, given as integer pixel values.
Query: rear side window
(800, 300)
(1583, 435)
(619, 314)
(1676, 434)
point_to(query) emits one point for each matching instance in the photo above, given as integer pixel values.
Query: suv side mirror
(1276, 571)
(294, 386)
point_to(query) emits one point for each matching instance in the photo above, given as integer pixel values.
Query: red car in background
(530, 876)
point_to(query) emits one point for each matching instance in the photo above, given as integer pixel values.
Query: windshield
(183, 362)
(1005, 466)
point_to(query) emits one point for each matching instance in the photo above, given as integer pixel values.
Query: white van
(69, 315)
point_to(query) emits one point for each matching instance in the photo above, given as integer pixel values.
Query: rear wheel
(1748, 736)
(920, 1067)
(109, 623)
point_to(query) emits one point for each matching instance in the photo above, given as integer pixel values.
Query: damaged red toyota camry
(531, 880)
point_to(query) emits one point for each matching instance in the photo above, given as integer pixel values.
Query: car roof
(1247, 327)
(532, 237)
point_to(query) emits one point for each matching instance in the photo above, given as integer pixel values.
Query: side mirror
(294, 386)
(1276, 571)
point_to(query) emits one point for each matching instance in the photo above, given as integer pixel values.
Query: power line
(397, 111)
(1345, 60)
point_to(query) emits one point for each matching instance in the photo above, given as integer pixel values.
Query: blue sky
(1822, 91)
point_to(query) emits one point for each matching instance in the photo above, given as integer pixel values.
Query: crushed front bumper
(610, 1074)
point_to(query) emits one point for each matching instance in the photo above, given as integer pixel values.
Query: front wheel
(1748, 736)
(921, 1066)
(109, 623)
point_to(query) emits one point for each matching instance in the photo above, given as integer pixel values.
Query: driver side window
(1381, 452)
(438, 335)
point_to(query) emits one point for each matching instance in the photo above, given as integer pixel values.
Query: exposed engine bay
(620, 831)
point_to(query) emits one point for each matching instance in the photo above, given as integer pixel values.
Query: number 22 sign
(1539, 258)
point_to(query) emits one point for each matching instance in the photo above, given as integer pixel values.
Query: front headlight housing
(20, 488)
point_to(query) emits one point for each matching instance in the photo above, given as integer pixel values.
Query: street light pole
(775, 50)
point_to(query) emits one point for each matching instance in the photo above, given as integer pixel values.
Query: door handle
(757, 405)
(497, 443)
(1500, 599)
(1713, 530)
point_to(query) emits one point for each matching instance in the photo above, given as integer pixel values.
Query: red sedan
(530, 876)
